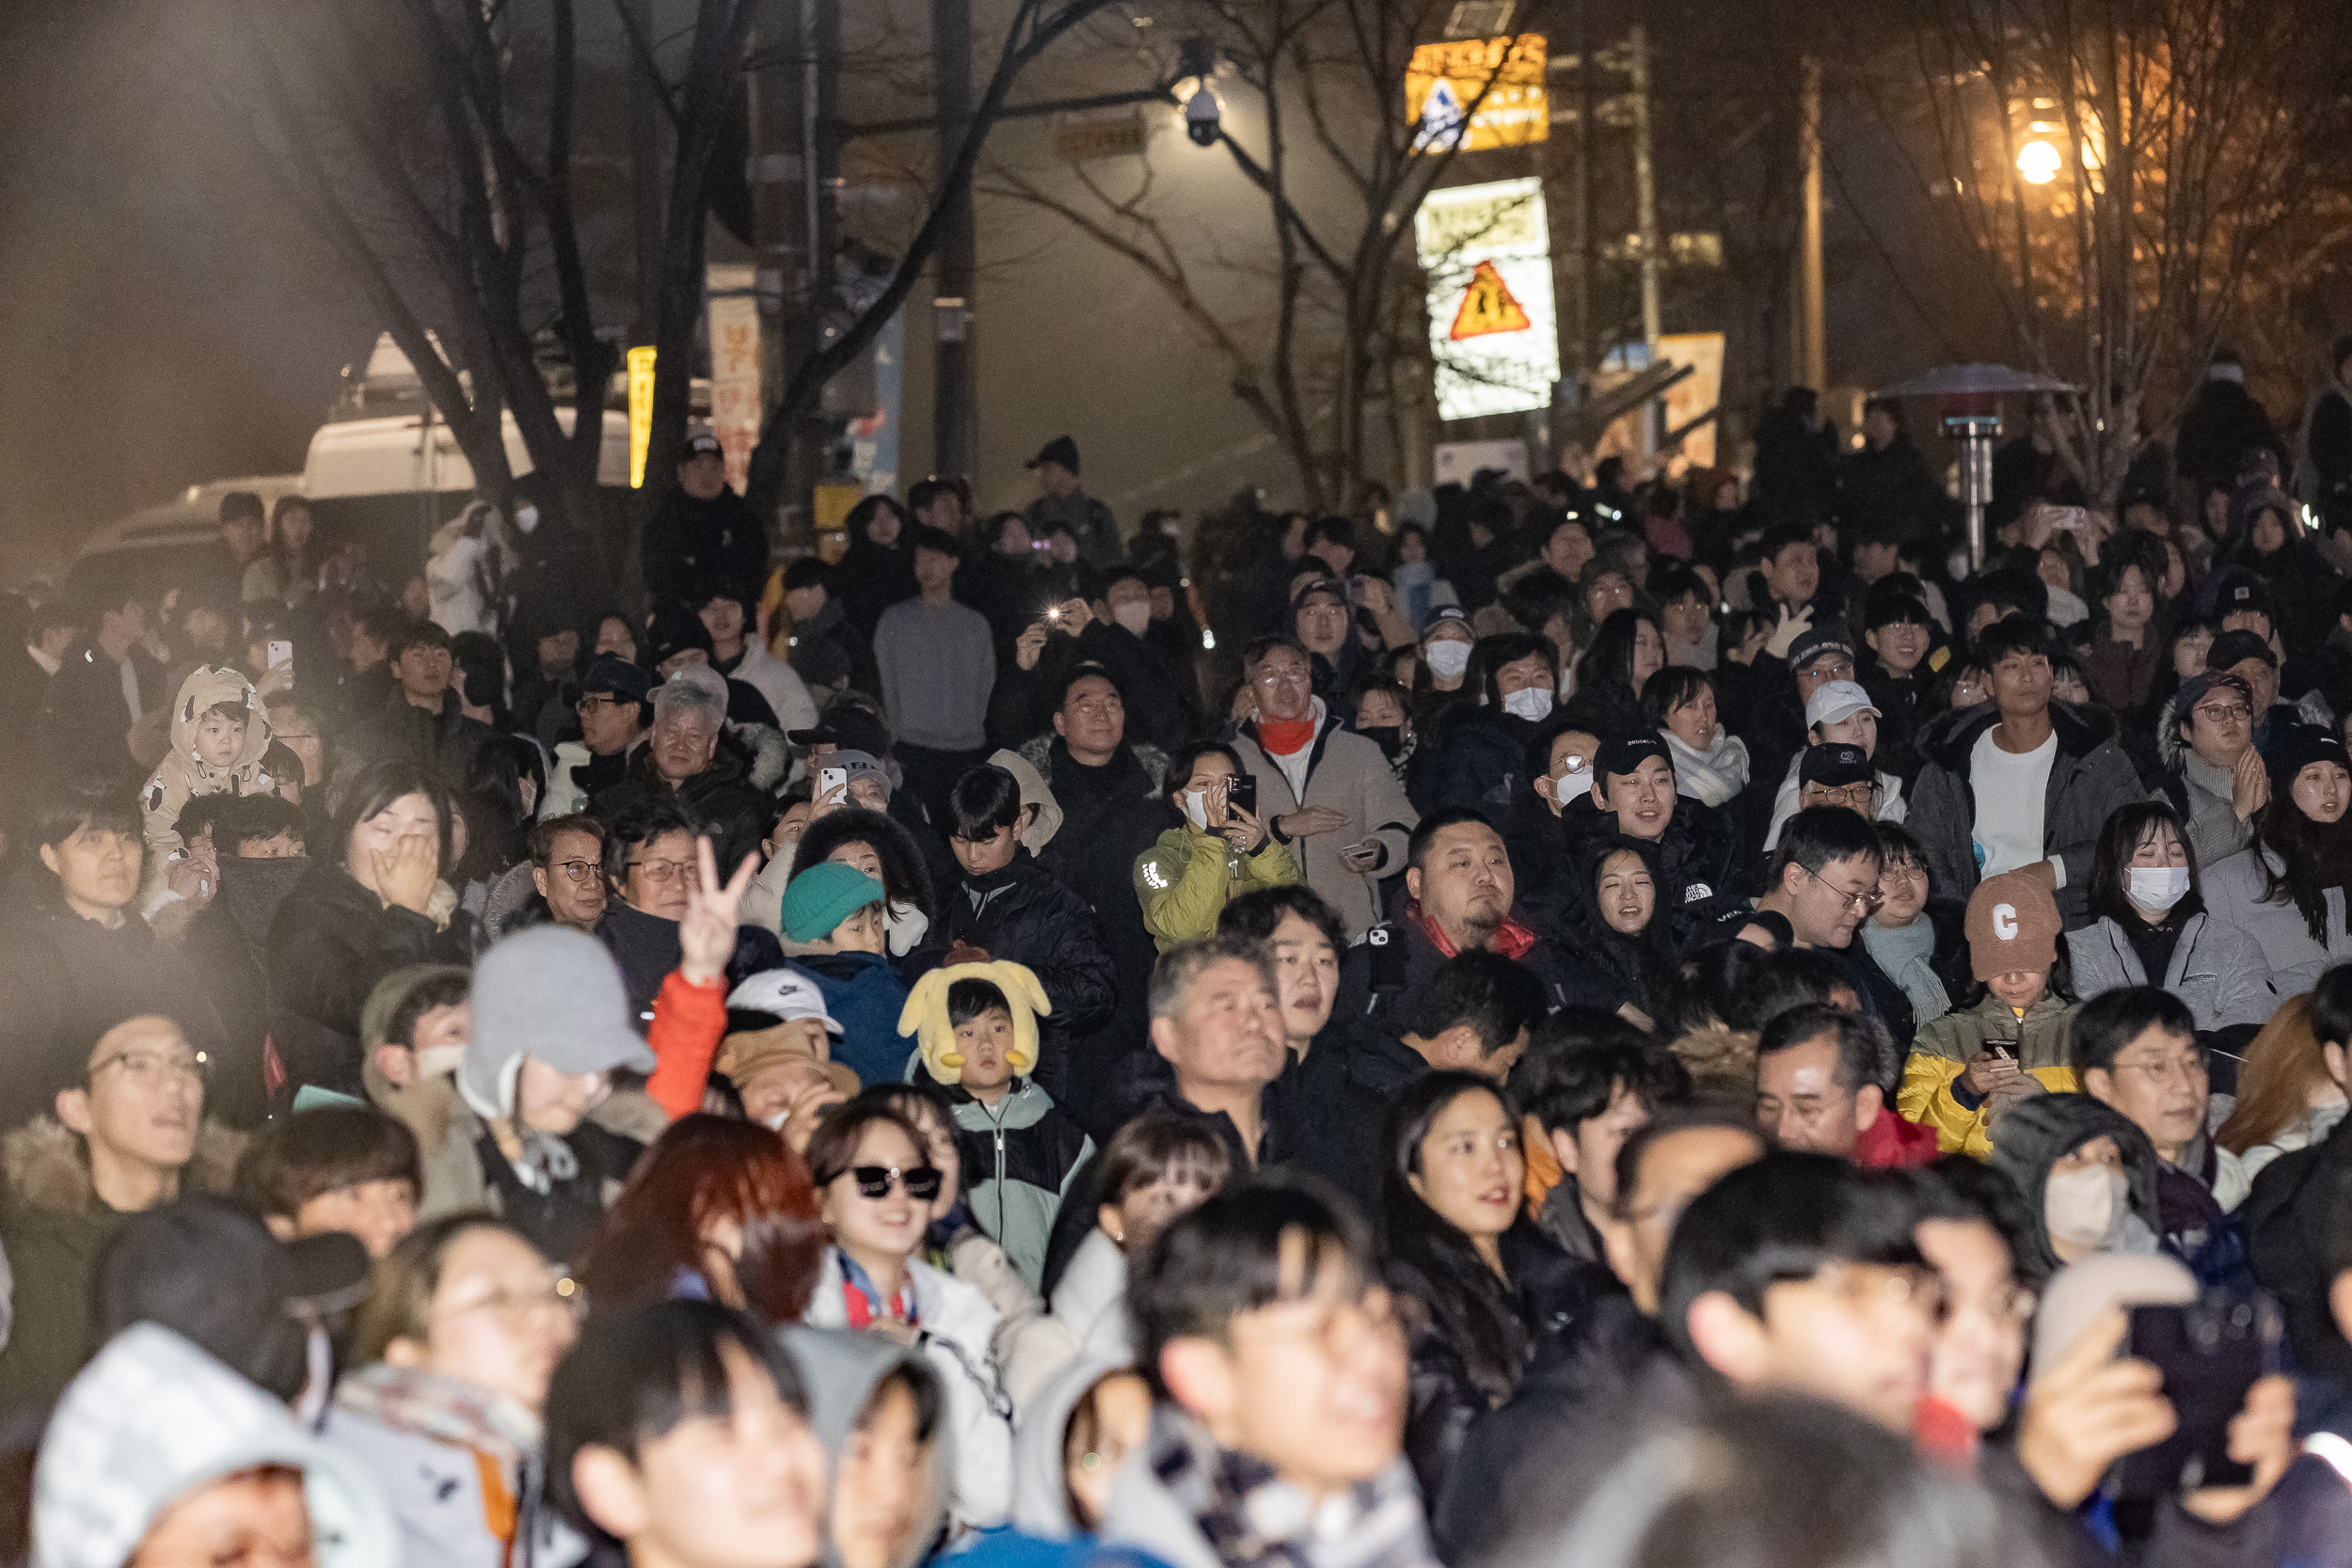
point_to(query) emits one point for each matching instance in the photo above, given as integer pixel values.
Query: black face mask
(1388, 737)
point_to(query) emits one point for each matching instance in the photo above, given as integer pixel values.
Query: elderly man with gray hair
(689, 761)
(1215, 1021)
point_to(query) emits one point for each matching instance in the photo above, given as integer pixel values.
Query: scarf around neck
(1251, 1518)
(1713, 776)
(446, 1409)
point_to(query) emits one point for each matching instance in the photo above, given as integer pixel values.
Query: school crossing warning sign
(1485, 250)
(1487, 306)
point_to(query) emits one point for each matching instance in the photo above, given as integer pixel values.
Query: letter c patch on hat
(2005, 922)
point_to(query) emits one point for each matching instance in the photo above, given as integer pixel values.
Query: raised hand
(705, 932)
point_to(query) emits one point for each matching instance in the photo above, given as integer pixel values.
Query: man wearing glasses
(2027, 783)
(2135, 1050)
(612, 715)
(567, 868)
(1823, 880)
(2217, 780)
(126, 1114)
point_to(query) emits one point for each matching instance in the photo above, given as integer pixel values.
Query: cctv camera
(1200, 117)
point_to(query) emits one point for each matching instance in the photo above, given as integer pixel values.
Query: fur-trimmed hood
(46, 1168)
(771, 754)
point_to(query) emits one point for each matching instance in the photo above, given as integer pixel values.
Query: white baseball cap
(786, 993)
(1835, 700)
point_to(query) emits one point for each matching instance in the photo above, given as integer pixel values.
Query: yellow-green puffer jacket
(1185, 881)
(1941, 1051)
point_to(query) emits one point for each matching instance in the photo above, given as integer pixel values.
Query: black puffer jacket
(1021, 915)
(330, 943)
(720, 799)
(1444, 1395)
(1613, 969)
(1110, 815)
(2285, 1220)
(1700, 875)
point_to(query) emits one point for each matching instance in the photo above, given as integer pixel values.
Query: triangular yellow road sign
(1487, 306)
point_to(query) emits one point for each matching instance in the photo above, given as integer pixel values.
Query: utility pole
(644, 187)
(1587, 228)
(953, 439)
(1646, 208)
(1809, 352)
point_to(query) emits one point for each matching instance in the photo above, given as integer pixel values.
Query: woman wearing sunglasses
(876, 1185)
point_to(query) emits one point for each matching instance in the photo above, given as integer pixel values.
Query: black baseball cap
(2232, 648)
(1836, 765)
(616, 676)
(208, 1269)
(1829, 639)
(1625, 753)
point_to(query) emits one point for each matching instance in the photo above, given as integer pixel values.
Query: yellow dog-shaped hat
(925, 1015)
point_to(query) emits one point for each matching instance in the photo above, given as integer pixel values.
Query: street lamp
(2038, 163)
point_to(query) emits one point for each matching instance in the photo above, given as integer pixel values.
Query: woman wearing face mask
(1477, 753)
(1443, 679)
(716, 1210)
(1219, 851)
(2290, 1095)
(2287, 888)
(1383, 717)
(2149, 928)
(1613, 926)
(2088, 1174)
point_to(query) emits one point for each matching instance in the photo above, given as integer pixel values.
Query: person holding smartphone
(1220, 852)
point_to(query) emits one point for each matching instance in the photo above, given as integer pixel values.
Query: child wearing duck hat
(975, 1029)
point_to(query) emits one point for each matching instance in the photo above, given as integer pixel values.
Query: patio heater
(1969, 399)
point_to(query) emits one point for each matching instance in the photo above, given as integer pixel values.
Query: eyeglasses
(1841, 671)
(1861, 796)
(922, 1182)
(559, 1294)
(153, 1068)
(590, 702)
(663, 871)
(1865, 1286)
(2189, 1069)
(2008, 1305)
(582, 871)
(1865, 902)
(2225, 713)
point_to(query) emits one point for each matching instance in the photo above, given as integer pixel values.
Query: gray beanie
(554, 995)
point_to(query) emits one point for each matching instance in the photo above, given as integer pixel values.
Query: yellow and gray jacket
(1931, 1093)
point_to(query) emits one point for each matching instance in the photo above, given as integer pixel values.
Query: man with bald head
(123, 1129)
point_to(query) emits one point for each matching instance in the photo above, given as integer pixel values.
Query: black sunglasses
(922, 1182)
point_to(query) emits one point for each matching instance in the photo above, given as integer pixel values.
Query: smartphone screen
(2209, 1351)
(1241, 790)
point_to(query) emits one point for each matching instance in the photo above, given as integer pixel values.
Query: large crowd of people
(1675, 1023)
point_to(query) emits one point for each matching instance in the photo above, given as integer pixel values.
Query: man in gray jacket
(1325, 792)
(2214, 776)
(2028, 783)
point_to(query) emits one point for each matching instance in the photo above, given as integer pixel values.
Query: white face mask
(2158, 887)
(1135, 615)
(1574, 782)
(1447, 659)
(439, 1061)
(2085, 1208)
(1196, 808)
(1531, 703)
